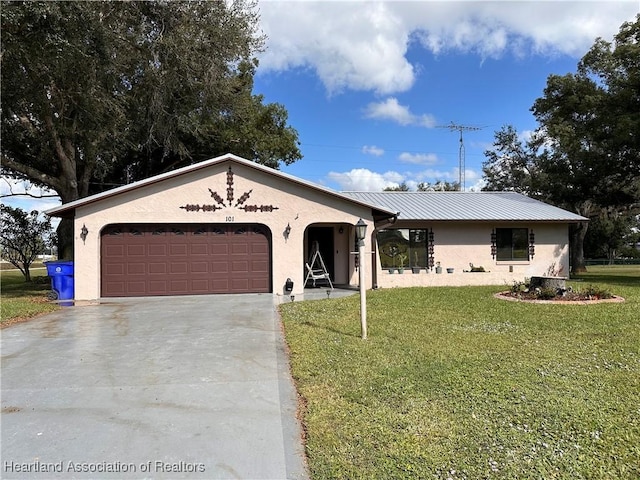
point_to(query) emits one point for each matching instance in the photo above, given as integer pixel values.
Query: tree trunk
(576, 247)
(65, 239)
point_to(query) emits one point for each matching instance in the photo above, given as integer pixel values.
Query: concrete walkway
(183, 387)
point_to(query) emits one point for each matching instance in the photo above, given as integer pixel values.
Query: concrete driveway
(182, 387)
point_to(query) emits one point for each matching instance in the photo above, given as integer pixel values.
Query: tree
(96, 94)
(403, 187)
(584, 154)
(608, 234)
(24, 236)
(438, 186)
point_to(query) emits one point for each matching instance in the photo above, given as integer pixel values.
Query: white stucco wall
(458, 244)
(298, 206)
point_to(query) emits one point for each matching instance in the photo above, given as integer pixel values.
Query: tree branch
(33, 173)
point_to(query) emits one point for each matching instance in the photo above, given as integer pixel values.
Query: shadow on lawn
(329, 329)
(612, 279)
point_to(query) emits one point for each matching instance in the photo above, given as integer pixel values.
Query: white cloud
(390, 109)
(363, 45)
(349, 45)
(418, 158)
(373, 150)
(364, 180)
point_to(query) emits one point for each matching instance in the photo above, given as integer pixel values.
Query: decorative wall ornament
(494, 249)
(431, 248)
(532, 244)
(197, 208)
(220, 202)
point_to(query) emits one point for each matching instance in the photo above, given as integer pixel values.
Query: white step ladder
(316, 269)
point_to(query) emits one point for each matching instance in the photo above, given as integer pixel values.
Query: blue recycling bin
(61, 273)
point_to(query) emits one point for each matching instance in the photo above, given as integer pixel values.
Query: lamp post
(361, 232)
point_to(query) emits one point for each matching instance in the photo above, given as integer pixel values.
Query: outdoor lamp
(361, 231)
(288, 285)
(287, 231)
(83, 233)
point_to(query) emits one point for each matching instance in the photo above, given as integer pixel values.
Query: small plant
(546, 293)
(518, 287)
(476, 269)
(401, 259)
(596, 292)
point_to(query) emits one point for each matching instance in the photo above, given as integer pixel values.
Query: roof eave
(67, 209)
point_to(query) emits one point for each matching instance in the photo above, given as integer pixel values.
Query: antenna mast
(461, 160)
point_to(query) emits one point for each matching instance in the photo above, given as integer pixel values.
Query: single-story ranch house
(229, 225)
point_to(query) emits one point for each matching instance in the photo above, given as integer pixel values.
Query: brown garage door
(140, 260)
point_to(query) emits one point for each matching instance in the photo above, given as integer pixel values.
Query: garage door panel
(157, 250)
(199, 249)
(136, 251)
(240, 266)
(178, 249)
(136, 287)
(259, 266)
(115, 251)
(200, 286)
(140, 260)
(178, 267)
(199, 267)
(157, 287)
(115, 269)
(157, 268)
(179, 286)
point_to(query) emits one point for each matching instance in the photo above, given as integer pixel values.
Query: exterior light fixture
(288, 285)
(341, 230)
(287, 231)
(83, 233)
(361, 233)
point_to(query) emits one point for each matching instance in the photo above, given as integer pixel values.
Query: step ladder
(316, 269)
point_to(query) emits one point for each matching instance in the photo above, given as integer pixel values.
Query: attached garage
(223, 226)
(184, 259)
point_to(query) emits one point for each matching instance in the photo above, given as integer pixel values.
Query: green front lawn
(453, 383)
(21, 300)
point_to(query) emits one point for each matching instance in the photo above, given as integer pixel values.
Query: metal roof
(469, 206)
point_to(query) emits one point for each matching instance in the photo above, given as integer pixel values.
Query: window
(403, 247)
(512, 244)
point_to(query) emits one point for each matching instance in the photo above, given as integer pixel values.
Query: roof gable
(469, 206)
(68, 208)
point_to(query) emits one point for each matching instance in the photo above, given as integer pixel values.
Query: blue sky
(367, 84)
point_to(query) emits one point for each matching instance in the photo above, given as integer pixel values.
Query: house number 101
(228, 218)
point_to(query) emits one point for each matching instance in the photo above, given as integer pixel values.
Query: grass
(453, 383)
(21, 300)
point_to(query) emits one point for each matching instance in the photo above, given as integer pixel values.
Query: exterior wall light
(83, 233)
(288, 285)
(287, 231)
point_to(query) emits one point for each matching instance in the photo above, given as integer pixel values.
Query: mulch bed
(570, 298)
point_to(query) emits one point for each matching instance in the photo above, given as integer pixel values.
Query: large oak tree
(96, 94)
(585, 155)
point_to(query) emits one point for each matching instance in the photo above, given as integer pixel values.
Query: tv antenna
(461, 167)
